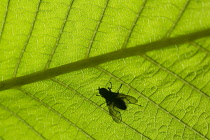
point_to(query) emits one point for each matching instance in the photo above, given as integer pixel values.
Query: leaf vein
(22, 120)
(59, 35)
(27, 41)
(96, 60)
(55, 112)
(168, 34)
(96, 29)
(134, 24)
(96, 105)
(4, 19)
(154, 103)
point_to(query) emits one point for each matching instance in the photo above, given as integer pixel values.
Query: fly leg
(119, 88)
(102, 104)
(110, 87)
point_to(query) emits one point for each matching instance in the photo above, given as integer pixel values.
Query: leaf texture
(55, 54)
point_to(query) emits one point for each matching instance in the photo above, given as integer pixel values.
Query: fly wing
(127, 99)
(116, 116)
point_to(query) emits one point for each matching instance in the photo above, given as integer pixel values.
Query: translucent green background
(171, 84)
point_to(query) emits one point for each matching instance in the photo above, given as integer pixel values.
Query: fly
(116, 100)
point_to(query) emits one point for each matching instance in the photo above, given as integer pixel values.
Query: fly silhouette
(116, 100)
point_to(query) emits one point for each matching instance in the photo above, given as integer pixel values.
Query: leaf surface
(55, 55)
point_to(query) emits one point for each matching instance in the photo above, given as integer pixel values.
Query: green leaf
(55, 55)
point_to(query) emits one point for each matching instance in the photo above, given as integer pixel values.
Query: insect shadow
(115, 101)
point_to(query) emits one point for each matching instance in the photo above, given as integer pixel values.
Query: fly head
(103, 92)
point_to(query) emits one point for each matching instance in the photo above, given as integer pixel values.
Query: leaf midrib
(96, 60)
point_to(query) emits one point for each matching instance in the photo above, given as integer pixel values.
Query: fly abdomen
(120, 104)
